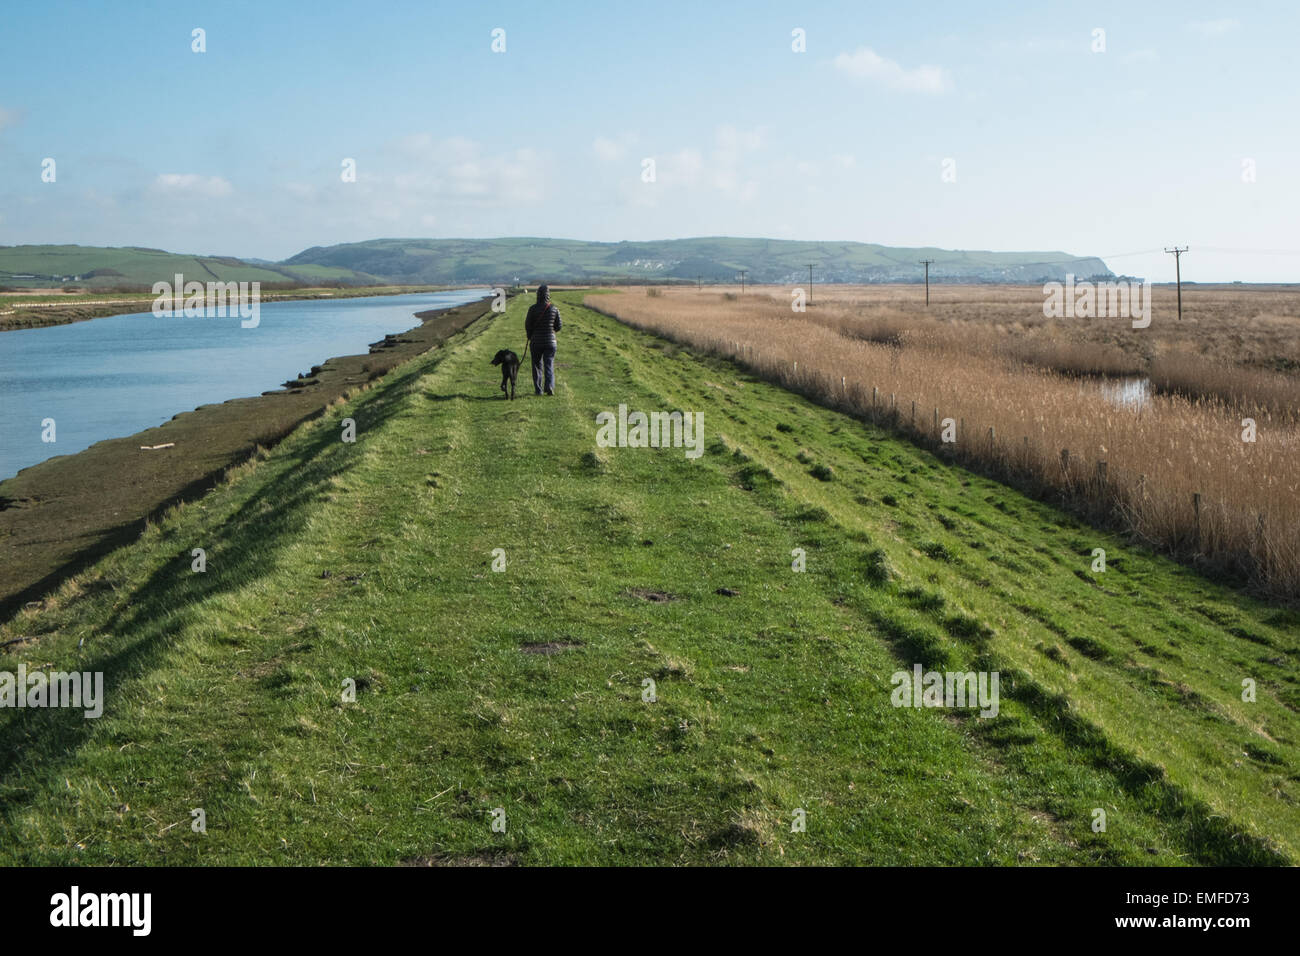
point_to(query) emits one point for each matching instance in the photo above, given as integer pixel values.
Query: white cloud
(691, 175)
(682, 168)
(460, 168)
(1213, 28)
(193, 184)
(865, 63)
(607, 149)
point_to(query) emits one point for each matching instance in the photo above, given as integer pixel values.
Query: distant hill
(411, 261)
(493, 261)
(95, 267)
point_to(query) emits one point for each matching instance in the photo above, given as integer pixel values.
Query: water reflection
(1127, 392)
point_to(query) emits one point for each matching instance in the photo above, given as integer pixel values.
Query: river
(109, 377)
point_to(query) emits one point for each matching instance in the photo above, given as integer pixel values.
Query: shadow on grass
(35, 744)
(476, 398)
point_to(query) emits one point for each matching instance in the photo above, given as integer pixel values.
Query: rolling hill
(96, 267)
(712, 259)
(494, 261)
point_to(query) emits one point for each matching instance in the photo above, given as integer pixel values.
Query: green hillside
(506, 261)
(713, 259)
(94, 267)
(524, 690)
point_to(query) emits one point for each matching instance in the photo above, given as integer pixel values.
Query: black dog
(509, 363)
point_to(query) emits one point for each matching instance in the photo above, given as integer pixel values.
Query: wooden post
(936, 421)
(1101, 474)
(990, 438)
(1196, 509)
(874, 392)
(843, 387)
(1065, 460)
(914, 412)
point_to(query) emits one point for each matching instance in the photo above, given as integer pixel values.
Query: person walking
(540, 326)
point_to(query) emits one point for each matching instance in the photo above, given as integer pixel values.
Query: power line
(1178, 272)
(926, 263)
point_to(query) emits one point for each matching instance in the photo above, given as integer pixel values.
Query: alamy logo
(952, 689)
(1102, 300)
(216, 300)
(656, 430)
(103, 909)
(55, 689)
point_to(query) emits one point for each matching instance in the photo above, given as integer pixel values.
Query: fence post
(1101, 475)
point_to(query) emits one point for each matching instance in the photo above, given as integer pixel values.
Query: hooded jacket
(541, 324)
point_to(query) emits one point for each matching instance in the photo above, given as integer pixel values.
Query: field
(1206, 466)
(524, 690)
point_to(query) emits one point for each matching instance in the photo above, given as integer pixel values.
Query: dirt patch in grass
(548, 647)
(484, 858)
(654, 597)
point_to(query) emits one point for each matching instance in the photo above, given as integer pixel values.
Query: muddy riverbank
(58, 516)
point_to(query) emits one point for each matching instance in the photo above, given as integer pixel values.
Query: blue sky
(239, 150)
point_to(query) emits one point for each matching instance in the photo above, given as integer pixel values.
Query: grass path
(522, 689)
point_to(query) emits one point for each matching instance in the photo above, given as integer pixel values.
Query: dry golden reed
(1173, 469)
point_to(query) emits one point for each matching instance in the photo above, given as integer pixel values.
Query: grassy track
(372, 561)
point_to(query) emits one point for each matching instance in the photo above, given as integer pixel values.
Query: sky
(1003, 126)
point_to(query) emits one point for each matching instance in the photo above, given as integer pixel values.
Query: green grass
(372, 561)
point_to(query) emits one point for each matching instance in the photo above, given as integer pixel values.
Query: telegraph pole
(926, 263)
(742, 281)
(1178, 272)
(810, 265)
(699, 282)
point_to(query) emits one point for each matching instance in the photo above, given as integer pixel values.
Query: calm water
(1127, 392)
(115, 376)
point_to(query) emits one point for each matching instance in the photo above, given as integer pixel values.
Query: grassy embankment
(1182, 473)
(523, 689)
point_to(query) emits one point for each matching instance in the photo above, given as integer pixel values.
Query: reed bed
(1173, 470)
